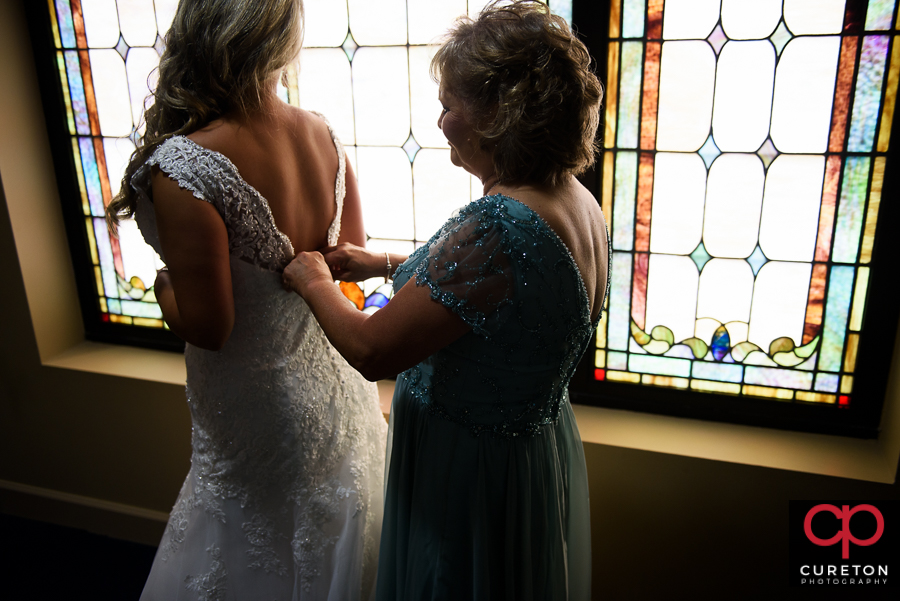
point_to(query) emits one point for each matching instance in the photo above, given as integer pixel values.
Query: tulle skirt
(482, 517)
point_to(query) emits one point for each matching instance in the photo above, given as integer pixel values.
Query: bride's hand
(304, 272)
(351, 263)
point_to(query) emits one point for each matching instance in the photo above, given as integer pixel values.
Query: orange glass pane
(826, 212)
(644, 203)
(865, 254)
(120, 319)
(103, 172)
(654, 19)
(608, 172)
(103, 306)
(615, 18)
(768, 392)
(842, 91)
(890, 98)
(89, 96)
(639, 288)
(352, 291)
(612, 94)
(815, 304)
(850, 354)
(78, 21)
(650, 104)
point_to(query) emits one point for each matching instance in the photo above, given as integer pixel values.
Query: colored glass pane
(859, 299)
(734, 220)
(629, 95)
(836, 312)
(850, 210)
(867, 100)
(765, 391)
(615, 17)
(612, 91)
(872, 211)
(815, 397)
(365, 67)
(879, 13)
(843, 87)
(650, 104)
(65, 23)
(890, 99)
(625, 191)
(711, 386)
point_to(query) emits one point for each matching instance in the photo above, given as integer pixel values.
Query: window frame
(95, 329)
(861, 419)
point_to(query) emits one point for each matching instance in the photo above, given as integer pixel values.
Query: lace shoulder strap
(212, 177)
(178, 158)
(340, 184)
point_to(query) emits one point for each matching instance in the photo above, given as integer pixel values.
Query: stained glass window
(364, 66)
(745, 149)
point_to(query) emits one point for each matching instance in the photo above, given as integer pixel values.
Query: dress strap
(340, 184)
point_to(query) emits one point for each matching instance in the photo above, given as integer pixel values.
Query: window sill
(870, 460)
(122, 361)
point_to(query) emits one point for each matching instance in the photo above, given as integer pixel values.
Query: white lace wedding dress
(284, 496)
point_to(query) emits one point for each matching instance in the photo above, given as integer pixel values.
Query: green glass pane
(837, 308)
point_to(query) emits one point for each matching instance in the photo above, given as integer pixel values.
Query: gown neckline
(265, 203)
(585, 298)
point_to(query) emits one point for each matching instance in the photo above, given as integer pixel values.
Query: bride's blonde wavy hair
(219, 57)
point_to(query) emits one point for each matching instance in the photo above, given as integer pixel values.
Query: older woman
(283, 498)
(487, 493)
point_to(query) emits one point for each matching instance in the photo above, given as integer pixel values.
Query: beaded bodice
(509, 276)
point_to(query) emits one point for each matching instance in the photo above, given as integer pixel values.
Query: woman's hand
(306, 271)
(351, 263)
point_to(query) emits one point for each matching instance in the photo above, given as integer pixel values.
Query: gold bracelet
(387, 258)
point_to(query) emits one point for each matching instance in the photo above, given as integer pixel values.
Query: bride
(283, 498)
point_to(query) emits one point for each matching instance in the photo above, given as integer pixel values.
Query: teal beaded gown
(486, 495)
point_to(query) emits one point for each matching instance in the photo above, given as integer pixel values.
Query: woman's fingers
(305, 267)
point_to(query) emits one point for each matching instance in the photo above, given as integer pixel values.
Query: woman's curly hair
(219, 56)
(527, 88)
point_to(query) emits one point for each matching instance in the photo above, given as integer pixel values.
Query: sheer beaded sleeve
(468, 266)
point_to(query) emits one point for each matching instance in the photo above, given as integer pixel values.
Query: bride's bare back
(289, 157)
(287, 154)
